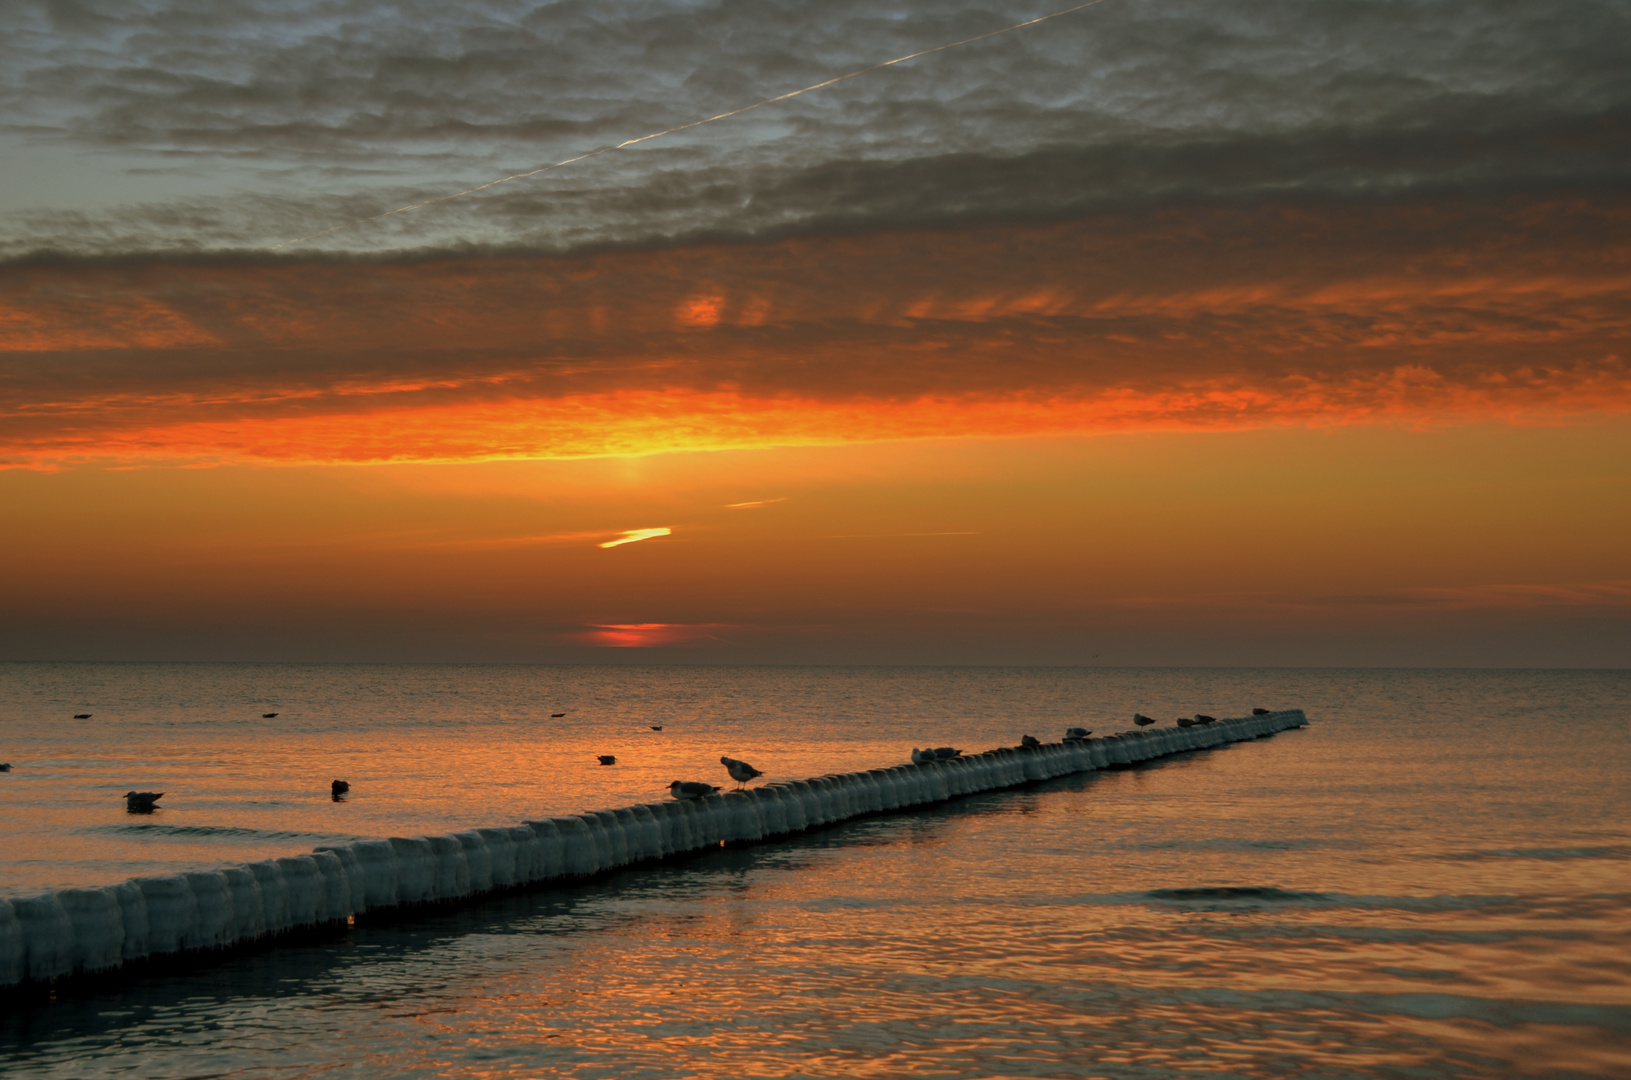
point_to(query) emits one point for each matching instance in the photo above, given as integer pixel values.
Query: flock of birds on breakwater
(145, 802)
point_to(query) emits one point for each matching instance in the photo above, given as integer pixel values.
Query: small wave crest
(1544, 854)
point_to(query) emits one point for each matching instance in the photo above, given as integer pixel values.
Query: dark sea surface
(1431, 880)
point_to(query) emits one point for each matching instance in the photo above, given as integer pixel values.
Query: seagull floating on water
(141, 802)
(5, 766)
(338, 788)
(656, 727)
(608, 759)
(556, 715)
(267, 715)
(690, 789)
(82, 716)
(1029, 741)
(740, 771)
(1143, 721)
(1076, 734)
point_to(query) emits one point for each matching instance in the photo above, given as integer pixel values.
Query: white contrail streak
(694, 123)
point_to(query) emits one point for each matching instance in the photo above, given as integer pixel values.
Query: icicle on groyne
(82, 931)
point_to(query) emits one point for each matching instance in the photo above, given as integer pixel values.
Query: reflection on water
(1432, 880)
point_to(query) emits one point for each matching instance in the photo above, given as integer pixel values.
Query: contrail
(694, 123)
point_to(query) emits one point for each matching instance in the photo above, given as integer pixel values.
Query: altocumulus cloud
(288, 117)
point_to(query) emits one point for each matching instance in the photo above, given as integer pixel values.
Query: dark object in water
(556, 715)
(1029, 741)
(268, 715)
(608, 759)
(337, 788)
(1143, 721)
(1260, 712)
(141, 802)
(82, 716)
(5, 766)
(690, 789)
(1202, 718)
(656, 727)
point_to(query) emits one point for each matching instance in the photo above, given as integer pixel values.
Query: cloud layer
(1414, 312)
(279, 119)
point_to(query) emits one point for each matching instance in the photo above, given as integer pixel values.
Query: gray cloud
(308, 114)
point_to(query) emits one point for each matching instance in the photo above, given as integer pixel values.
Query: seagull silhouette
(690, 789)
(141, 802)
(740, 771)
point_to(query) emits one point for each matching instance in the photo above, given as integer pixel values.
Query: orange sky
(1388, 434)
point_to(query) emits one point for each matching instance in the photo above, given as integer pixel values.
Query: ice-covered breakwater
(82, 931)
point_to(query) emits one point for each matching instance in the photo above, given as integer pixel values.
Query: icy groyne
(82, 931)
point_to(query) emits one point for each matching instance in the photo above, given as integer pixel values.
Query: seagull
(267, 715)
(1184, 721)
(922, 757)
(944, 752)
(1076, 734)
(141, 802)
(1202, 718)
(1261, 712)
(1143, 721)
(1029, 741)
(556, 715)
(82, 716)
(608, 759)
(656, 727)
(740, 771)
(338, 788)
(5, 766)
(690, 789)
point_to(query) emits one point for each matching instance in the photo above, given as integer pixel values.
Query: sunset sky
(1155, 333)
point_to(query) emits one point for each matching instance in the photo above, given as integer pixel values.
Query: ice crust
(82, 931)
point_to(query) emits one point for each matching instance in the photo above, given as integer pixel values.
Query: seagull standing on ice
(740, 771)
(1030, 742)
(1143, 721)
(1076, 734)
(690, 789)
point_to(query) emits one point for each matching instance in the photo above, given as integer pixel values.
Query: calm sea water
(1432, 880)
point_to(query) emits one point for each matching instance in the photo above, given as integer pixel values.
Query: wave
(83, 931)
(216, 832)
(1259, 893)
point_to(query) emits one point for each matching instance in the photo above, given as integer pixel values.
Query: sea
(1432, 879)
